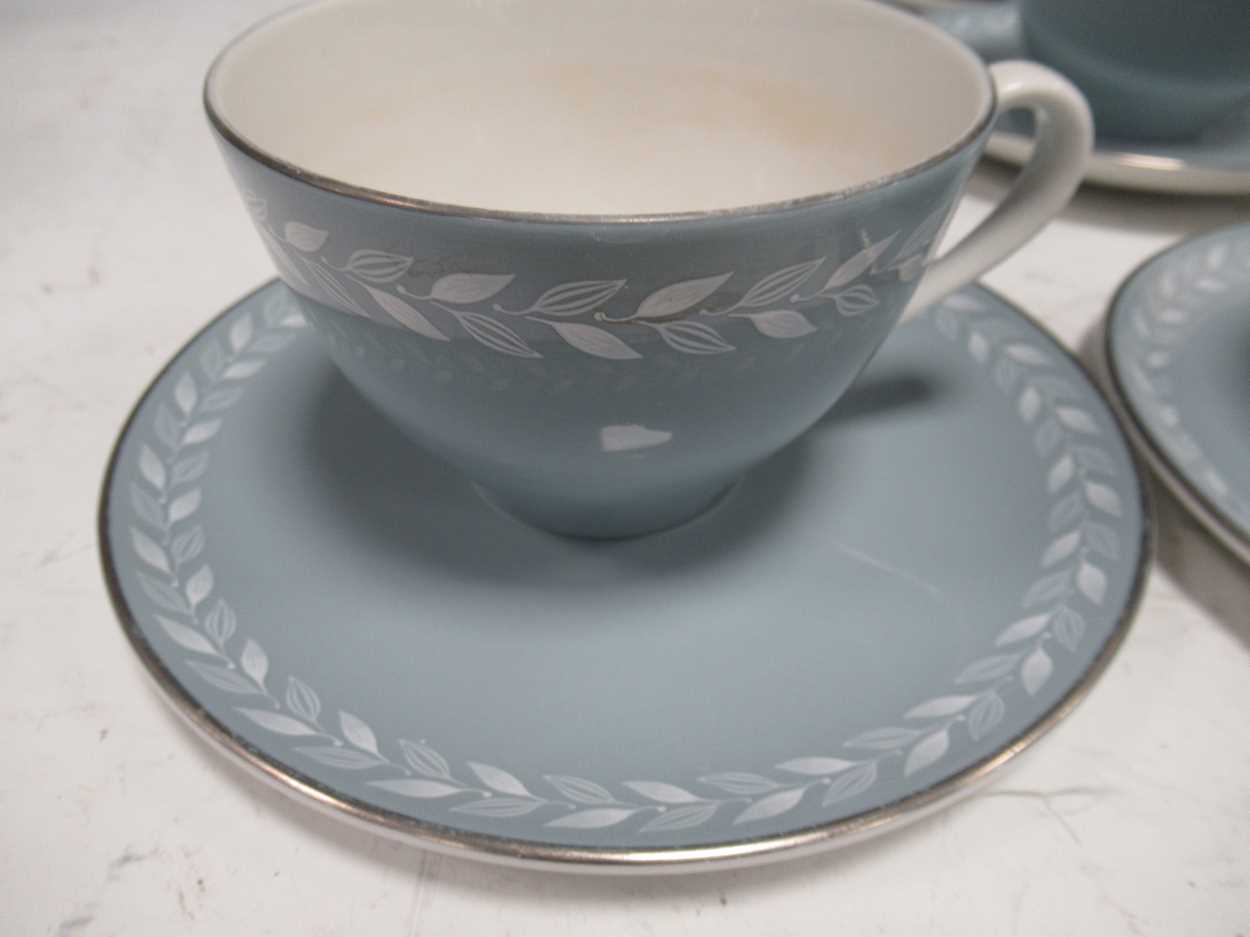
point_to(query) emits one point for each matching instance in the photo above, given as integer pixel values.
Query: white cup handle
(1064, 139)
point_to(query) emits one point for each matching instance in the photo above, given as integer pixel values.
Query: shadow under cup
(602, 264)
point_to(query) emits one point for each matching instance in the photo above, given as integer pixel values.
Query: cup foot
(615, 520)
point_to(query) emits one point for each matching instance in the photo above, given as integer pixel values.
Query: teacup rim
(292, 170)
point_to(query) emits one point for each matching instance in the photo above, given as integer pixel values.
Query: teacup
(604, 256)
(1151, 69)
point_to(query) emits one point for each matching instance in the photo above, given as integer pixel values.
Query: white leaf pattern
(928, 751)
(572, 299)
(498, 780)
(163, 594)
(254, 661)
(1077, 419)
(850, 783)
(1030, 404)
(148, 550)
(185, 395)
(239, 335)
(884, 739)
(189, 469)
(594, 341)
(1061, 548)
(184, 505)
(378, 266)
(147, 507)
(406, 315)
(185, 636)
(661, 792)
(1103, 498)
(152, 468)
(357, 731)
(417, 787)
(740, 782)
(277, 722)
(346, 759)
(220, 622)
(495, 335)
(201, 432)
(1092, 582)
(781, 323)
(579, 790)
(855, 301)
(816, 766)
(772, 805)
(595, 819)
(463, 289)
(941, 706)
(498, 807)
(987, 668)
(680, 818)
(225, 679)
(199, 586)
(1036, 670)
(304, 238)
(780, 285)
(1022, 630)
(857, 265)
(1061, 473)
(692, 338)
(1069, 628)
(679, 297)
(302, 700)
(425, 760)
(985, 714)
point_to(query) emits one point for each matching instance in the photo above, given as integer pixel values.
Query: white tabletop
(120, 235)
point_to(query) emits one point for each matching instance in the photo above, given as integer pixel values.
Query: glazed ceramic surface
(869, 623)
(1178, 342)
(1151, 69)
(612, 375)
(1215, 163)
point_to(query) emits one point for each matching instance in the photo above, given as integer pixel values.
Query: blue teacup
(1151, 69)
(606, 257)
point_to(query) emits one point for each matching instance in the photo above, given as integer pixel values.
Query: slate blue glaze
(1151, 69)
(868, 625)
(575, 442)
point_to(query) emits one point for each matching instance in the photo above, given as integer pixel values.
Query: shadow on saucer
(1194, 560)
(871, 397)
(386, 493)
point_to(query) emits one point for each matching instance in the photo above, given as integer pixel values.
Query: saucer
(1217, 163)
(1178, 353)
(866, 626)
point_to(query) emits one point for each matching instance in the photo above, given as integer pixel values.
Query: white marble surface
(120, 235)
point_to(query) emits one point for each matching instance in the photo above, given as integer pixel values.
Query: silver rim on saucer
(512, 851)
(1128, 169)
(1191, 498)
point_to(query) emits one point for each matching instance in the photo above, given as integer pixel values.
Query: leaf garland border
(189, 609)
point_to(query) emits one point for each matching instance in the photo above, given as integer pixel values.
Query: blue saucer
(1217, 163)
(868, 625)
(1178, 350)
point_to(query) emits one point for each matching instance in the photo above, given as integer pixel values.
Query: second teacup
(1151, 69)
(605, 257)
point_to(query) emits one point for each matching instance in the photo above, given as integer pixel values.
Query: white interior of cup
(600, 107)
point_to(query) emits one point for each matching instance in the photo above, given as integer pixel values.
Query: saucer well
(1217, 163)
(868, 625)
(1177, 346)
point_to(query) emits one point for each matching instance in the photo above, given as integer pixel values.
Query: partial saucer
(869, 625)
(1217, 163)
(1178, 353)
